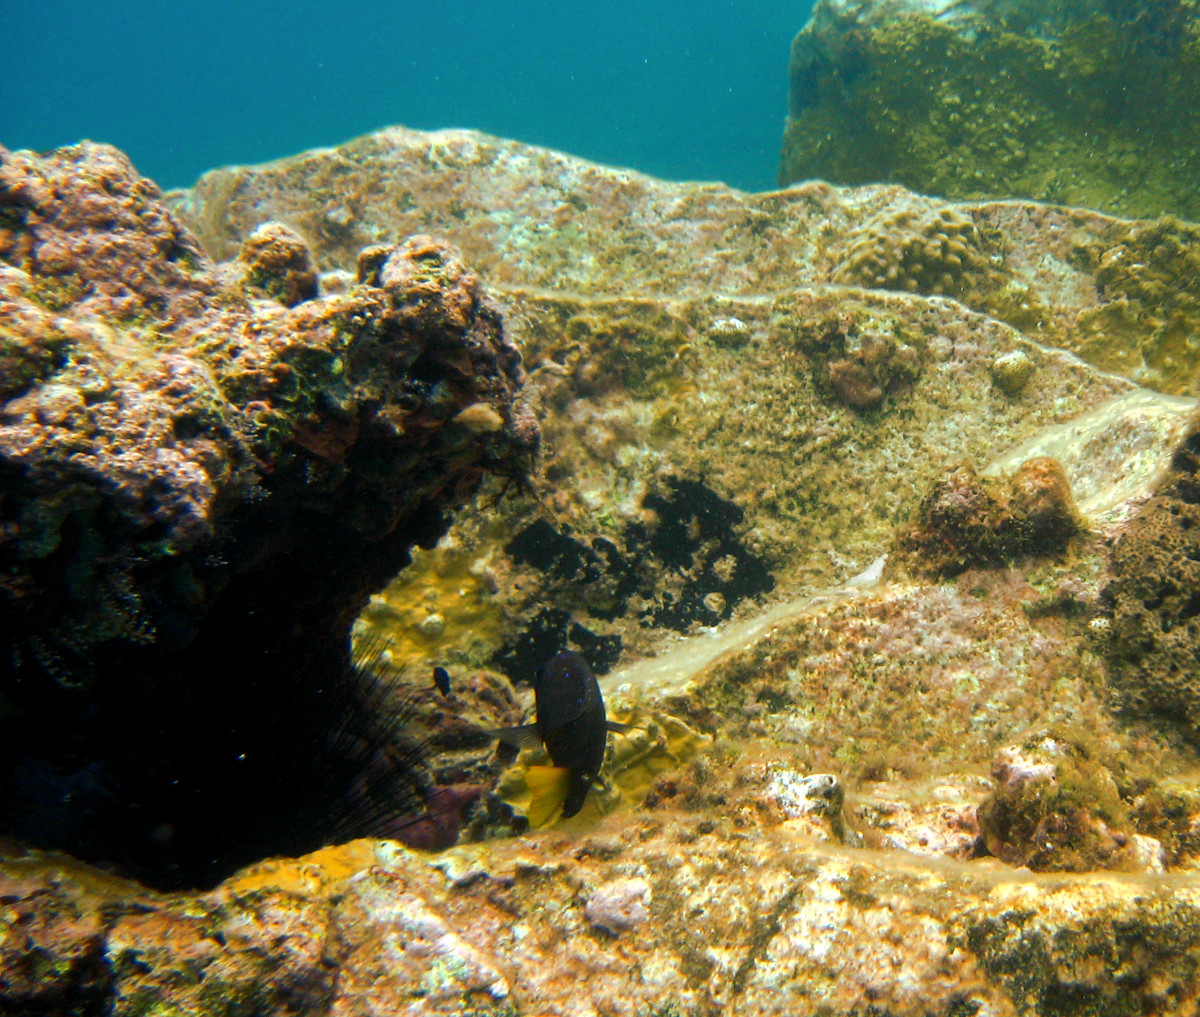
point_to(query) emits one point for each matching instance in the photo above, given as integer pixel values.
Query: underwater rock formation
(738, 345)
(200, 486)
(684, 916)
(1070, 278)
(967, 520)
(1066, 102)
(1151, 634)
(738, 416)
(1055, 809)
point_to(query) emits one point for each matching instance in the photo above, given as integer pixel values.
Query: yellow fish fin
(548, 787)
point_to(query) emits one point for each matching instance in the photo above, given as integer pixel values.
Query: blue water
(680, 90)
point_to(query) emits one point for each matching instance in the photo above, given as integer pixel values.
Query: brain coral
(934, 251)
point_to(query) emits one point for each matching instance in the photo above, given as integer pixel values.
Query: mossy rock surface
(1077, 103)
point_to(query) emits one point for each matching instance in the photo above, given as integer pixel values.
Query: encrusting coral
(935, 251)
(1000, 99)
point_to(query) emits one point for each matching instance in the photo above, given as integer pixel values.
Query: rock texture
(1153, 595)
(742, 395)
(698, 919)
(967, 520)
(1076, 101)
(856, 787)
(191, 479)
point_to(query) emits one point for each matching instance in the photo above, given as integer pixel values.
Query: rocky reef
(1075, 102)
(203, 476)
(906, 738)
(738, 399)
(682, 917)
(1154, 598)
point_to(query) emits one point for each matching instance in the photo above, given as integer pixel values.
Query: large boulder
(1081, 102)
(203, 477)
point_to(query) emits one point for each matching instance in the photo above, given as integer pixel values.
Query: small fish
(572, 724)
(441, 678)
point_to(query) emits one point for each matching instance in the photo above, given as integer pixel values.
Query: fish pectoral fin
(548, 787)
(624, 729)
(523, 737)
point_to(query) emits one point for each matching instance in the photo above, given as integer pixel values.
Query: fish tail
(548, 786)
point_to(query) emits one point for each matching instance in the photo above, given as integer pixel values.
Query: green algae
(1035, 962)
(1005, 111)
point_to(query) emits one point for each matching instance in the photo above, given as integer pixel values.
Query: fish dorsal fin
(524, 737)
(548, 786)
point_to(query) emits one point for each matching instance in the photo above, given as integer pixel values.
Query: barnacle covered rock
(198, 492)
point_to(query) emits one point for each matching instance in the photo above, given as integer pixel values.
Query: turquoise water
(679, 90)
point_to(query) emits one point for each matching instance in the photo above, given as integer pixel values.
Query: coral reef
(967, 520)
(1000, 99)
(191, 482)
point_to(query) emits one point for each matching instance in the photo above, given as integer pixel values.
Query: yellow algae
(311, 875)
(442, 606)
(661, 743)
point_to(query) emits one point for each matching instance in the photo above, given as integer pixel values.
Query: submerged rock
(1012, 371)
(738, 416)
(275, 260)
(1152, 635)
(662, 915)
(968, 520)
(198, 493)
(692, 470)
(1054, 809)
(1000, 99)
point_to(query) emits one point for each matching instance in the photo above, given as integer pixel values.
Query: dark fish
(571, 723)
(441, 678)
